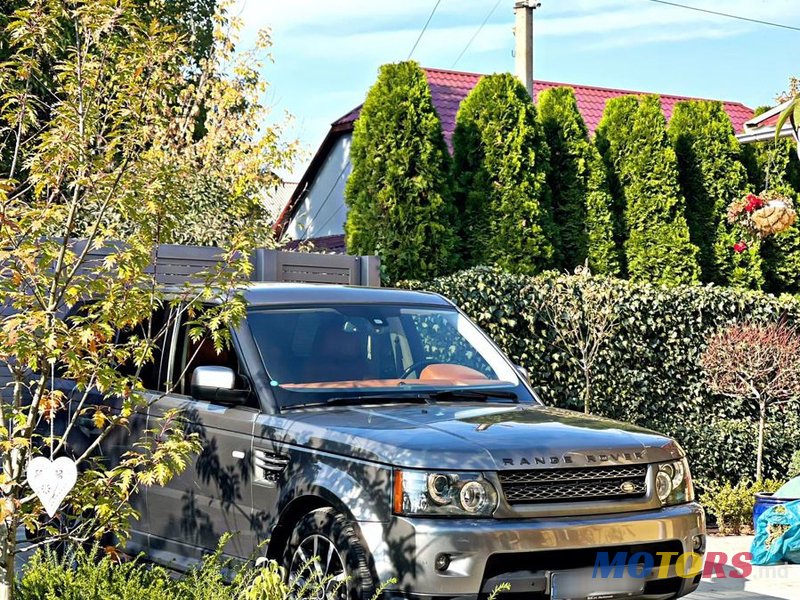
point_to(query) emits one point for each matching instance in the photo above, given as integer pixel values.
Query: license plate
(580, 585)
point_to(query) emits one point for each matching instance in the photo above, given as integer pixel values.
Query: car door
(213, 496)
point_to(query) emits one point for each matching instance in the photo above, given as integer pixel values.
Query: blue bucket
(765, 500)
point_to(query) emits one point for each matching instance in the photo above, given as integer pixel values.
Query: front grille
(574, 485)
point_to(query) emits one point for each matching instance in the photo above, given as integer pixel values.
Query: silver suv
(384, 433)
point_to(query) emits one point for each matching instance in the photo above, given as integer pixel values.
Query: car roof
(272, 294)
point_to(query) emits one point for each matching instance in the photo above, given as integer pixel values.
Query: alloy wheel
(318, 567)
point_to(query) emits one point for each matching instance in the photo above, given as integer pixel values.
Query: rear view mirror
(216, 385)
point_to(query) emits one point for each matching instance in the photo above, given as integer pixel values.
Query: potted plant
(757, 364)
(760, 216)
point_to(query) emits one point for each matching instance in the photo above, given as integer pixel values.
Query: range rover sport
(384, 433)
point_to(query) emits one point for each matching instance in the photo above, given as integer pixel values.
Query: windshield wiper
(415, 398)
(486, 395)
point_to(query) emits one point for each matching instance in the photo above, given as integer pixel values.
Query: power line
(728, 15)
(424, 28)
(477, 33)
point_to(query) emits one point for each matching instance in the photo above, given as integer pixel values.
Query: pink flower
(739, 247)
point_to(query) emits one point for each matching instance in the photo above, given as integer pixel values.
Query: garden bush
(648, 372)
(794, 466)
(79, 574)
(732, 505)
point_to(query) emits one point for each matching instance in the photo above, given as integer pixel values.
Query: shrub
(794, 466)
(732, 505)
(399, 194)
(648, 371)
(501, 160)
(582, 201)
(83, 575)
(711, 177)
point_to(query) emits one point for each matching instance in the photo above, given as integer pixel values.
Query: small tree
(582, 315)
(100, 169)
(399, 194)
(658, 247)
(582, 202)
(759, 363)
(501, 161)
(711, 177)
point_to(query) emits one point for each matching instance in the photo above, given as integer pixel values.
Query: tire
(314, 530)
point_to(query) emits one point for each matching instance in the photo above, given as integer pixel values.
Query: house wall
(323, 210)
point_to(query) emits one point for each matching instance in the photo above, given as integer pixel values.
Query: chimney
(523, 31)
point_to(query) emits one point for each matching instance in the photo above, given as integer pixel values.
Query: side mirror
(523, 372)
(216, 385)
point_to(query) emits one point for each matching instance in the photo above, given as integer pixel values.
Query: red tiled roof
(449, 88)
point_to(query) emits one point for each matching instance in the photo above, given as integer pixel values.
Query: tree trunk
(8, 545)
(762, 422)
(587, 390)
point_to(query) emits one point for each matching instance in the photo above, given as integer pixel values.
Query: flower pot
(765, 500)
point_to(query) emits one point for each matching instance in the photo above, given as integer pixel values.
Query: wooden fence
(175, 265)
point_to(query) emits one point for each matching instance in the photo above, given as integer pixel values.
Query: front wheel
(326, 559)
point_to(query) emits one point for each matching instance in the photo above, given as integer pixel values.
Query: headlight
(674, 483)
(443, 494)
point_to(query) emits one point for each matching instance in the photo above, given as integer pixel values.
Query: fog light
(698, 543)
(442, 562)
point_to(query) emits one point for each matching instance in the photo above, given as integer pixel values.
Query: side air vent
(269, 466)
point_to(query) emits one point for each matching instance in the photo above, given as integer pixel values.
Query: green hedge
(648, 372)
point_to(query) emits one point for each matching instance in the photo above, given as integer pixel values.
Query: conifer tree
(712, 176)
(613, 141)
(500, 163)
(400, 191)
(582, 202)
(657, 248)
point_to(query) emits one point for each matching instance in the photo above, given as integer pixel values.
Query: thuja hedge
(648, 372)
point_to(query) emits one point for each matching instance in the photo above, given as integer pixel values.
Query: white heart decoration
(52, 480)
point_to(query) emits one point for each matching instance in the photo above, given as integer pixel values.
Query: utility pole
(523, 31)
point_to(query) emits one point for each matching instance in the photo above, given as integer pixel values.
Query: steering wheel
(417, 366)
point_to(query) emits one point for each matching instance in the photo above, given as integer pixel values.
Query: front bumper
(523, 552)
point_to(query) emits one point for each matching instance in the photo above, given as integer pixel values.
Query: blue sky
(327, 52)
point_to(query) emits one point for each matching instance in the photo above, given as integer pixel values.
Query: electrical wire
(728, 15)
(477, 33)
(424, 28)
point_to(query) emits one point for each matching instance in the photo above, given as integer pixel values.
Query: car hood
(472, 436)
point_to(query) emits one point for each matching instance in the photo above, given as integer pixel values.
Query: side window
(153, 373)
(158, 329)
(191, 354)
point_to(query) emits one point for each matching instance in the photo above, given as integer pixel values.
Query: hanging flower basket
(761, 216)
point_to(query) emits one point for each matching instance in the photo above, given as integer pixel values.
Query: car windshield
(348, 351)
